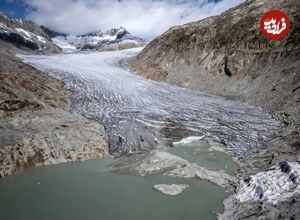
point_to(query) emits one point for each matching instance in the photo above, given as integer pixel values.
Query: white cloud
(144, 18)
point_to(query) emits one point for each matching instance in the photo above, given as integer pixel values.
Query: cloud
(144, 18)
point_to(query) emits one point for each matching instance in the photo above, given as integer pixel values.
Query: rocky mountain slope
(36, 126)
(227, 55)
(116, 38)
(26, 35)
(195, 56)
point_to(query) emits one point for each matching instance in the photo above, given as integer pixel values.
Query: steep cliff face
(227, 55)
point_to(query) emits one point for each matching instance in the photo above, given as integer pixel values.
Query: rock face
(26, 35)
(36, 125)
(227, 55)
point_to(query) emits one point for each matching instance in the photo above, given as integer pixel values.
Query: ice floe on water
(189, 140)
(172, 190)
(164, 163)
(192, 170)
(281, 181)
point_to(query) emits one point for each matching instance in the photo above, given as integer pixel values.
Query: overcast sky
(143, 18)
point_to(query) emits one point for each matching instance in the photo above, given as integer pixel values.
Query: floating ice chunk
(159, 162)
(172, 190)
(192, 170)
(189, 140)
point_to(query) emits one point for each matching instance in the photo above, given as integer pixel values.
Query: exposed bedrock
(36, 127)
(227, 55)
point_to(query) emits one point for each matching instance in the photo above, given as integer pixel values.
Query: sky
(143, 18)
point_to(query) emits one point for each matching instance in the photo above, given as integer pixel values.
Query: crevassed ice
(281, 181)
(140, 114)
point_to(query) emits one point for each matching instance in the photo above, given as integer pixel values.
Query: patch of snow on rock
(160, 161)
(41, 39)
(3, 26)
(26, 33)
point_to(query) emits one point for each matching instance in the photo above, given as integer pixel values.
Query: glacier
(141, 115)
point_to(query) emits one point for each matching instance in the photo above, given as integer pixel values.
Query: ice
(3, 26)
(28, 36)
(109, 38)
(172, 190)
(281, 181)
(41, 39)
(141, 115)
(63, 43)
(188, 140)
(70, 42)
(192, 170)
(160, 162)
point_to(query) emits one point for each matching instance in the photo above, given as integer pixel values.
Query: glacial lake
(90, 190)
(138, 114)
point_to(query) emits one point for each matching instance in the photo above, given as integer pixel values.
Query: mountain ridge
(30, 36)
(26, 35)
(98, 40)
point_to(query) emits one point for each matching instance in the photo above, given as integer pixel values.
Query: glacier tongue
(140, 114)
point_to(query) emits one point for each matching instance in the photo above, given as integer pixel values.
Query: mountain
(227, 55)
(29, 36)
(37, 125)
(117, 38)
(26, 35)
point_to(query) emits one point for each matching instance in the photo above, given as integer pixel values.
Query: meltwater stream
(141, 115)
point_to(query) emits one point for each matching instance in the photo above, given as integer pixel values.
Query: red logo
(274, 25)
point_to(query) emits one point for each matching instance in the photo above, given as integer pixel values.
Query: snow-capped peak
(25, 34)
(96, 40)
